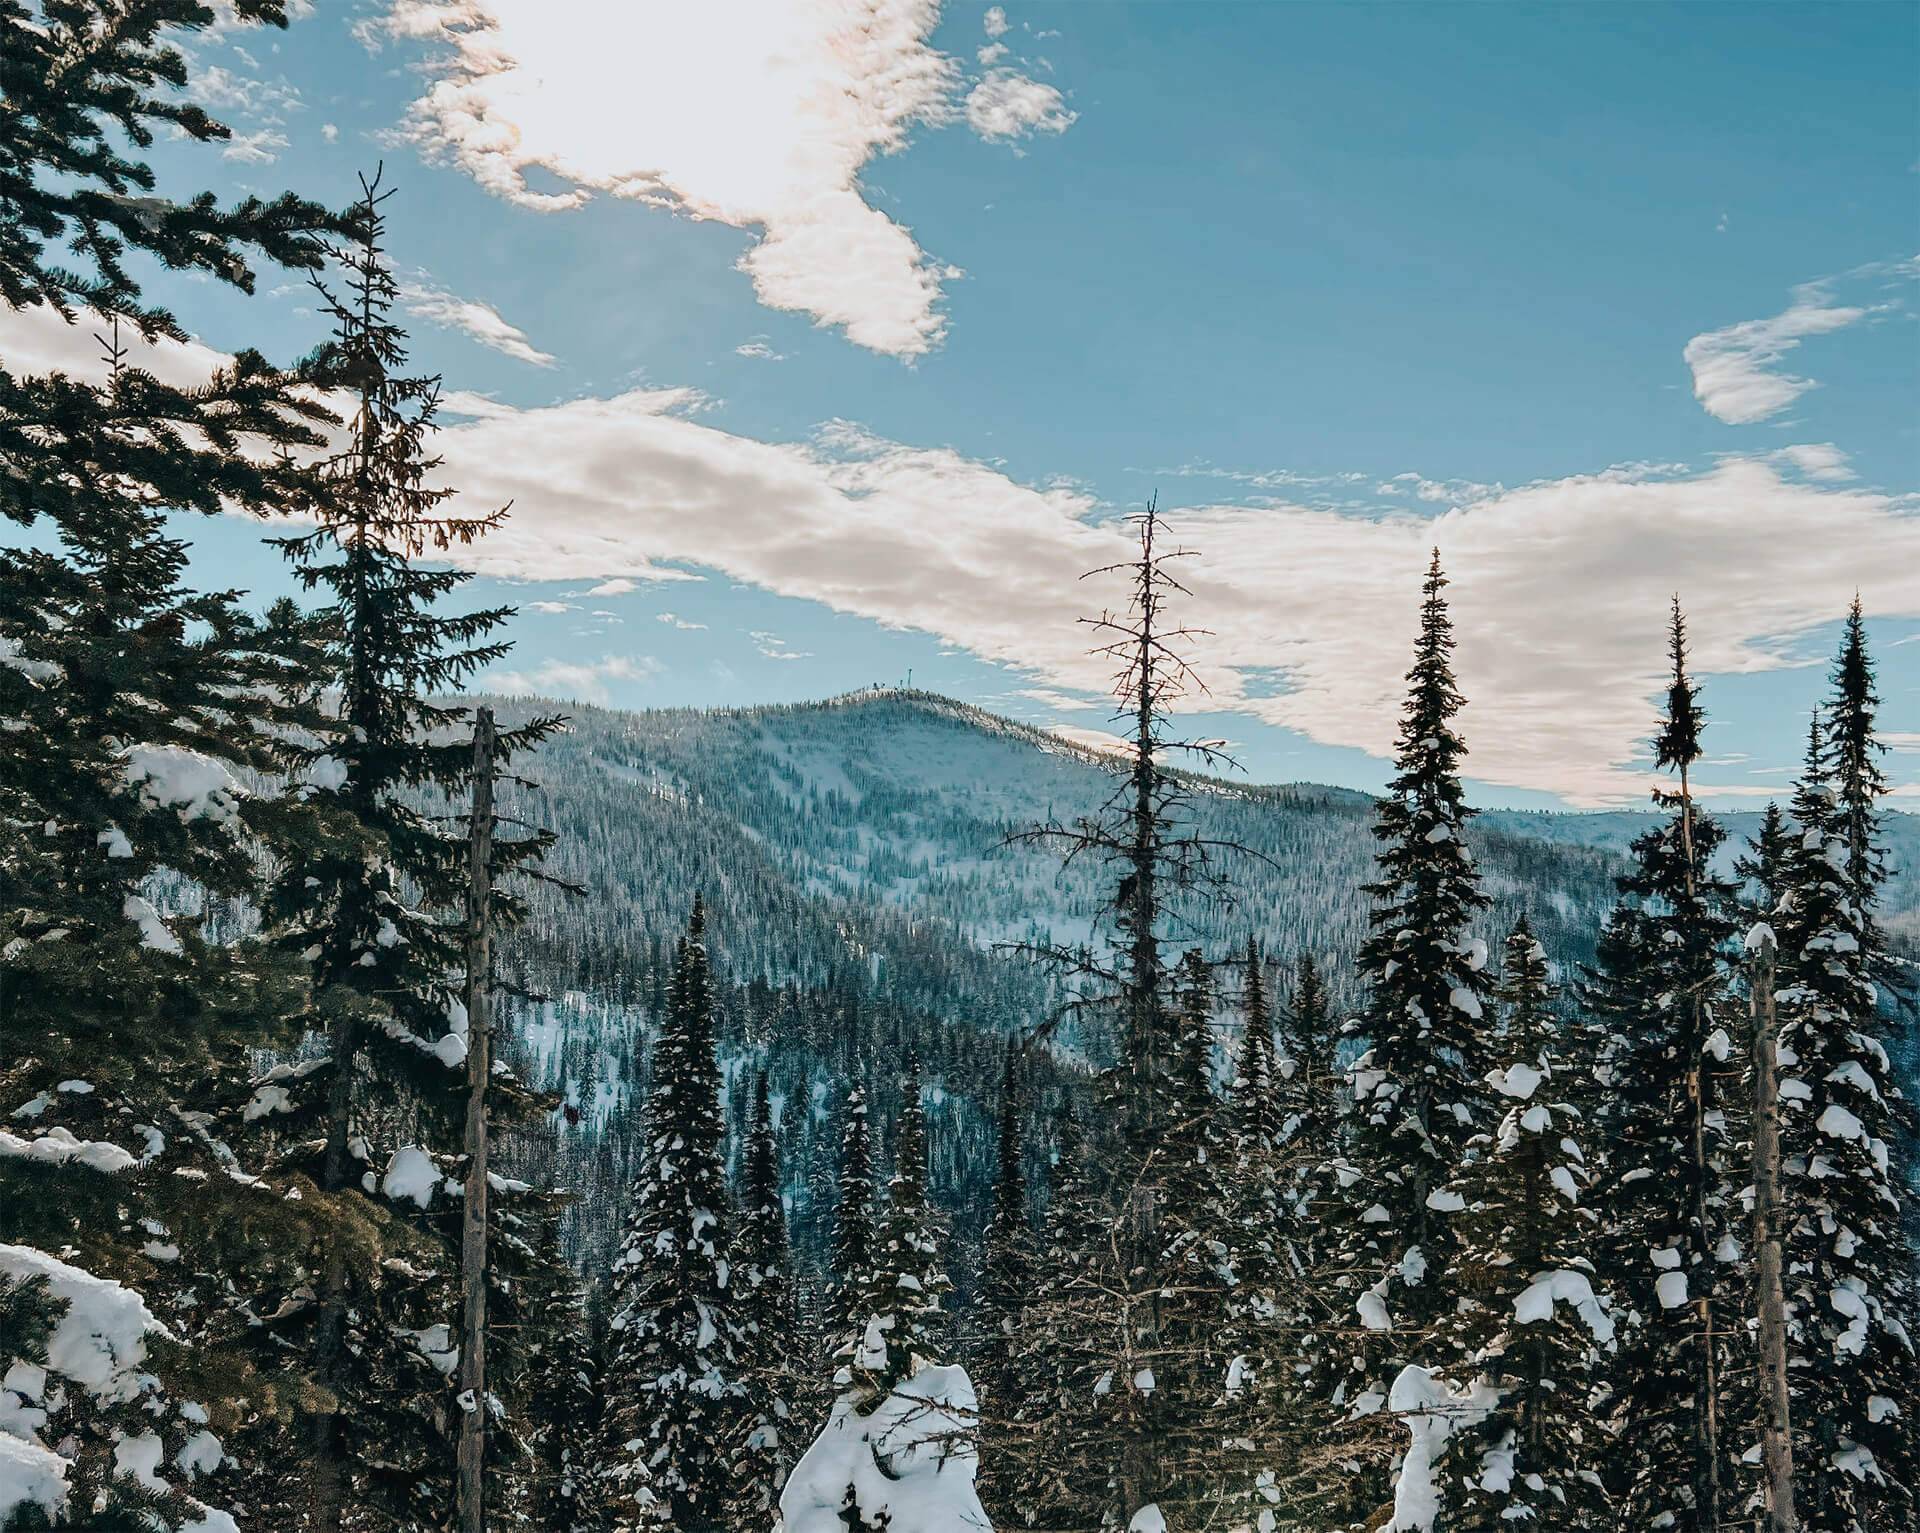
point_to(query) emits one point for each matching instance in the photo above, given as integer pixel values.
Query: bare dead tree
(1115, 1311)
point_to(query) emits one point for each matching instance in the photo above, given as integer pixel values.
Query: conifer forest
(425, 1109)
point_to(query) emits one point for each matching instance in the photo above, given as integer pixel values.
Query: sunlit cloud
(766, 120)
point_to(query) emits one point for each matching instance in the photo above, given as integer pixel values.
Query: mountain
(863, 897)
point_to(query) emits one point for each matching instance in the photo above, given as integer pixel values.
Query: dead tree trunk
(1776, 1423)
(473, 1218)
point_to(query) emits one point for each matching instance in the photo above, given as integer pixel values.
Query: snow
(411, 1175)
(1464, 1000)
(1433, 1411)
(58, 1147)
(1670, 1288)
(196, 787)
(153, 931)
(1519, 1080)
(436, 1344)
(907, 1464)
(1837, 1123)
(1848, 1303)
(1149, 1519)
(1445, 1201)
(1372, 1308)
(100, 1342)
(1564, 1287)
(30, 1475)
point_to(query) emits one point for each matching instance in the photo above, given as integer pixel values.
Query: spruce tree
(854, 1234)
(132, 704)
(369, 895)
(554, 1481)
(1417, 1089)
(1009, 1392)
(1534, 1322)
(1764, 865)
(768, 1313)
(676, 1401)
(1669, 1121)
(1848, 1271)
(899, 1308)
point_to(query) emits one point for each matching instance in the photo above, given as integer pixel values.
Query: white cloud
(759, 114)
(674, 621)
(1560, 587)
(759, 350)
(995, 21)
(569, 680)
(258, 148)
(1735, 373)
(1816, 460)
(611, 588)
(481, 321)
(775, 648)
(329, 131)
(551, 606)
(1007, 105)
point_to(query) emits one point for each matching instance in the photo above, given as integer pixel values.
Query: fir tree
(768, 1314)
(676, 1416)
(557, 1488)
(132, 703)
(1418, 1095)
(1534, 1321)
(1848, 1273)
(1668, 1121)
(370, 897)
(854, 1233)
(1010, 1266)
(900, 1302)
(1764, 866)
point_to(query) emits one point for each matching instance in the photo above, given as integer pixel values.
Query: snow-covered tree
(1848, 1271)
(1534, 1320)
(854, 1228)
(767, 1312)
(131, 705)
(553, 1483)
(1668, 1126)
(1417, 1088)
(677, 1412)
(899, 1304)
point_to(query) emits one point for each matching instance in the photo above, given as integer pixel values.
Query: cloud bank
(1560, 587)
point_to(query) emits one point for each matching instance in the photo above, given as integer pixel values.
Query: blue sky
(843, 348)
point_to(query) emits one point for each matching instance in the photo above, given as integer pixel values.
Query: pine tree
(556, 1490)
(1848, 1273)
(1764, 866)
(1535, 1319)
(369, 896)
(132, 703)
(1010, 1266)
(900, 1302)
(1158, 863)
(854, 1234)
(1417, 1089)
(1669, 1124)
(768, 1314)
(676, 1400)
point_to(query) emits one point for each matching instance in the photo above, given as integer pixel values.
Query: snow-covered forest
(422, 1110)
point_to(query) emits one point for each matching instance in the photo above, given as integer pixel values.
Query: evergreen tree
(676, 1403)
(1848, 1272)
(1417, 1090)
(132, 705)
(1764, 866)
(900, 1302)
(370, 896)
(1669, 1123)
(769, 1315)
(557, 1489)
(1010, 1267)
(1534, 1320)
(854, 1235)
